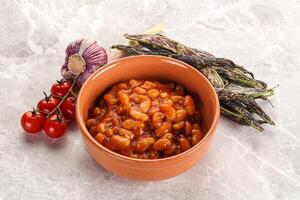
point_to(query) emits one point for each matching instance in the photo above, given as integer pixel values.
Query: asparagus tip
(271, 103)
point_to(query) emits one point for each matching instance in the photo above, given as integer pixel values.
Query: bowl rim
(84, 131)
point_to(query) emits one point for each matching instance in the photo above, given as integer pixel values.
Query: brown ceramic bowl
(154, 68)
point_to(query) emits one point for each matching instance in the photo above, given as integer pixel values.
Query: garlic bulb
(84, 57)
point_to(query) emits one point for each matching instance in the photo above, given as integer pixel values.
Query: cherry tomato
(68, 108)
(32, 121)
(47, 104)
(55, 126)
(61, 88)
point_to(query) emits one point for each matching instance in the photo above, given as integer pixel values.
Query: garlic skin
(84, 57)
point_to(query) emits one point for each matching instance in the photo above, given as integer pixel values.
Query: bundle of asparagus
(236, 87)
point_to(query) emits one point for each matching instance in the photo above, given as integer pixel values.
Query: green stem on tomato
(64, 98)
(74, 95)
(60, 81)
(34, 111)
(59, 118)
(46, 96)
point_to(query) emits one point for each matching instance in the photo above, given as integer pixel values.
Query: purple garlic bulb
(84, 57)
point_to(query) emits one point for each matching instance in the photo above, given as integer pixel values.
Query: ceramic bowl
(151, 68)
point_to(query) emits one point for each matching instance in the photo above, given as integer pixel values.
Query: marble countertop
(263, 35)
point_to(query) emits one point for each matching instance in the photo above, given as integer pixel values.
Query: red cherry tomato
(68, 108)
(47, 104)
(61, 88)
(32, 121)
(55, 126)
